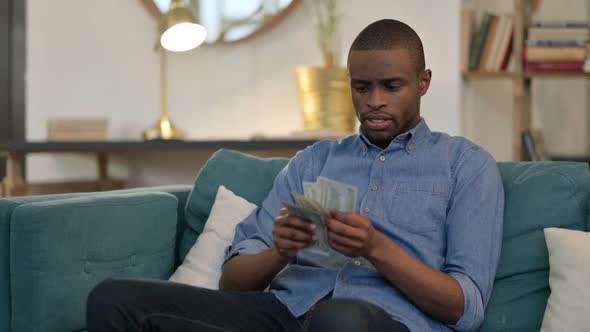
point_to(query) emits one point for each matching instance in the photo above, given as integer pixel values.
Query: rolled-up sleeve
(254, 234)
(474, 233)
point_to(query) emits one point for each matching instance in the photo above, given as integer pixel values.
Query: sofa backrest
(247, 176)
(538, 195)
(7, 207)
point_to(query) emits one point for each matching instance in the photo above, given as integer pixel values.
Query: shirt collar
(410, 138)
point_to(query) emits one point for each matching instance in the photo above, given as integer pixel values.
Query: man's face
(386, 92)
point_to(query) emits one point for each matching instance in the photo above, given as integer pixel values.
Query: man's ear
(424, 81)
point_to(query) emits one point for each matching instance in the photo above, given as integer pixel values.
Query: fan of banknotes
(317, 197)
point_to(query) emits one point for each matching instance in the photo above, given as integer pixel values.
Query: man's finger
(347, 218)
(293, 234)
(342, 229)
(283, 212)
(287, 244)
(296, 222)
(342, 241)
(341, 249)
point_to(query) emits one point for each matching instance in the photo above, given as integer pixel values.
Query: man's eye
(360, 89)
(393, 87)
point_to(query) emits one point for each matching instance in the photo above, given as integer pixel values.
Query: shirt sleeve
(474, 233)
(254, 234)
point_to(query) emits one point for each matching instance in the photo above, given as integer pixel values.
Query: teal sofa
(54, 249)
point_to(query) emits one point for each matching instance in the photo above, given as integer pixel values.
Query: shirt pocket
(419, 206)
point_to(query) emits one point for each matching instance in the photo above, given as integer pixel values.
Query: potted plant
(324, 91)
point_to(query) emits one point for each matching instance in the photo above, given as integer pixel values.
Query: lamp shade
(180, 30)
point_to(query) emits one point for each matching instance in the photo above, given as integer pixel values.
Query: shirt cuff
(246, 247)
(473, 311)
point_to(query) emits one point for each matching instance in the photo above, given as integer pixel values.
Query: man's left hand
(350, 234)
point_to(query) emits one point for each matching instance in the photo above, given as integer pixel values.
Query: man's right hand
(292, 233)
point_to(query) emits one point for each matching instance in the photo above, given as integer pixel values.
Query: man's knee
(348, 315)
(104, 301)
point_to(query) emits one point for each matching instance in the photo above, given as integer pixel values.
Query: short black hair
(387, 34)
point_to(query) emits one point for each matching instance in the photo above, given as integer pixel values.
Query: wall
(559, 106)
(99, 62)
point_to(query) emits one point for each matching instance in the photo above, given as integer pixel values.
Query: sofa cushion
(74, 243)
(247, 176)
(8, 205)
(202, 265)
(569, 303)
(538, 195)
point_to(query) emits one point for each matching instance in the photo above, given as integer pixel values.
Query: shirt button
(366, 210)
(374, 188)
(410, 147)
(340, 277)
(382, 158)
(357, 263)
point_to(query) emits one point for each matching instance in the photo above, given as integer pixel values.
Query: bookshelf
(521, 79)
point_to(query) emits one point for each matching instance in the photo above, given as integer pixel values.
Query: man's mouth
(377, 122)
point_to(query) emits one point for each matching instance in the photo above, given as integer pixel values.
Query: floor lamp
(179, 33)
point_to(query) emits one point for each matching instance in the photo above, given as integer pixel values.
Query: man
(420, 254)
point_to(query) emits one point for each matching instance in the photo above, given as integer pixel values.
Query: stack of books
(77, 130)
(556, 47)
(487, 46)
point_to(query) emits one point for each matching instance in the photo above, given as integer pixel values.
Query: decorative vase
(326, 99)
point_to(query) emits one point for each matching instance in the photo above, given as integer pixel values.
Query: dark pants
(148, 305)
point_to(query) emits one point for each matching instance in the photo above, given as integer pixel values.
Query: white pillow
(202, 265)
(568, 308)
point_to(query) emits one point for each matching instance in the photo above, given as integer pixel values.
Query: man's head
(388, 78)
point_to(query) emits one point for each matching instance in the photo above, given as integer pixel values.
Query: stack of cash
(317, 197)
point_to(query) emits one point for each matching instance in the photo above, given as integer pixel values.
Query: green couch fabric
(60, 245)
(538, 195)
(247, 176)
(8, 205)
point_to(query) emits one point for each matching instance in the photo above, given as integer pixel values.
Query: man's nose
(376, 99)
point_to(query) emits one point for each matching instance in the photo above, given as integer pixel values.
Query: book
(478, 41)
(569, 66)
(505, 48)
(558, 33)
(560, 24)
(467, 22)
(77, 129)
(542, 53)
(556, 43)
(488, 48)
(500, 44)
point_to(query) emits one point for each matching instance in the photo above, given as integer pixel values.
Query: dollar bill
(312, 205)
(320, 245)
(311, 190)
(337, 195)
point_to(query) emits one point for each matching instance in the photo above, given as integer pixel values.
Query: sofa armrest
(60, 249)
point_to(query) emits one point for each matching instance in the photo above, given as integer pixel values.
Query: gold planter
(326, 99)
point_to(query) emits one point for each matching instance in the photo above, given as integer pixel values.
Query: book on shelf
(560, 24)
(547, 53)
(563, 66)
(558, 33)
(77, 129)
(478, 41)
(555, 43)
(488, 46)
(466, 25)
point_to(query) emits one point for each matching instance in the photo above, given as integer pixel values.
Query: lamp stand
(164, 129)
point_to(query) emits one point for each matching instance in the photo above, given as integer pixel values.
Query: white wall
(99, 62)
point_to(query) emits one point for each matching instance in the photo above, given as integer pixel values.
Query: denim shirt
(438, 197)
